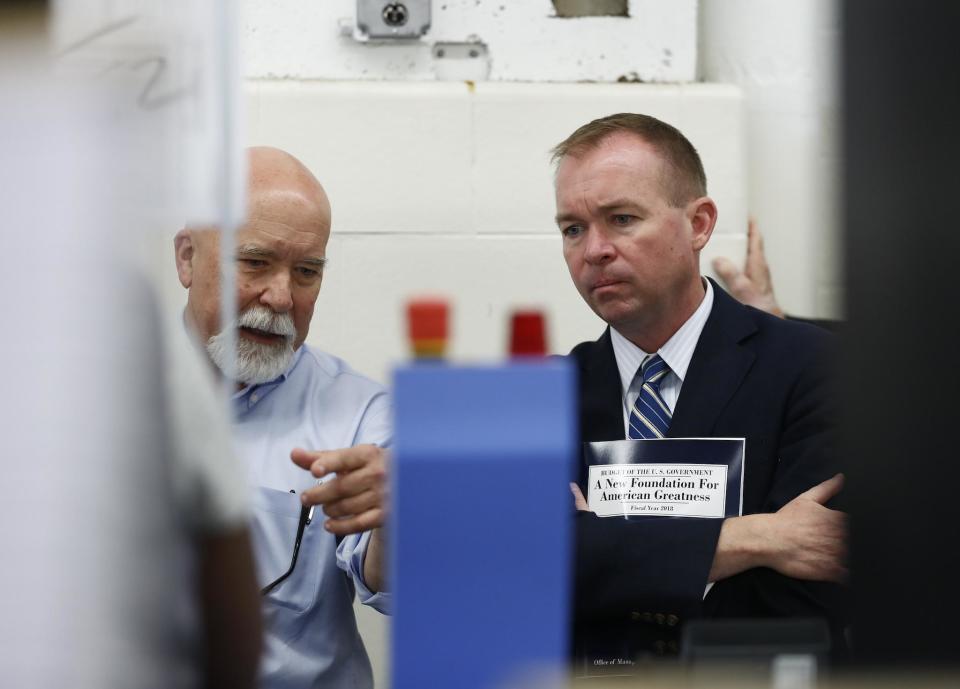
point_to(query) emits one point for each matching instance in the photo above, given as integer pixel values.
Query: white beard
(256, 362)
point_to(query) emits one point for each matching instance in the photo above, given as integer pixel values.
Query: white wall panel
(393, 157)
(711, 116)
(789, 84)
(452, 157)
(526, 42)
(360, 314)
(446, 188)
(518, 124)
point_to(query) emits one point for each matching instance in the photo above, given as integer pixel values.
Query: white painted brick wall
(527, 42)
(791, 114)
(446, 188)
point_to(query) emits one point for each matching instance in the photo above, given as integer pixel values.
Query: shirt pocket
(276, 516)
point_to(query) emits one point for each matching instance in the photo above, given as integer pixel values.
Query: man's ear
(703, 218)
(184, 251)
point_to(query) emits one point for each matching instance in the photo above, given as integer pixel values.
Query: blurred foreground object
(107, 500)
(427, 324)
(902, 244)
(481, 530)
(528, 334)
(789, 651)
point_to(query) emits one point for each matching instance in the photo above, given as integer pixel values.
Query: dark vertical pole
(901, 79)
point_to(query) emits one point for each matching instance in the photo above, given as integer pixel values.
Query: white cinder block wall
(443, 186)
(526, 42)
(446, 189)
(791, 116)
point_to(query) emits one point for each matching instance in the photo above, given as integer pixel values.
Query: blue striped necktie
(650, 416)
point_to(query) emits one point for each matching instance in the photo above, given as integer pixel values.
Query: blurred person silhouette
(289, 397)
(209, 494)
(128, 560)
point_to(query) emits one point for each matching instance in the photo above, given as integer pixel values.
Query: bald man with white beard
(293, 402)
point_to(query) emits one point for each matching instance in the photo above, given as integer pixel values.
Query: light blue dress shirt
(311, 637)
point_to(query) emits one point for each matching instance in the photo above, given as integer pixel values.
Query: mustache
(262, 318)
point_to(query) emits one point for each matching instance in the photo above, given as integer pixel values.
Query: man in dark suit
(634, 215)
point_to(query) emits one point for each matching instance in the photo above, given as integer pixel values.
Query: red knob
(528, 334)
(427, 326)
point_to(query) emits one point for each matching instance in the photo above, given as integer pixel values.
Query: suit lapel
(601, 399)
(717, 369)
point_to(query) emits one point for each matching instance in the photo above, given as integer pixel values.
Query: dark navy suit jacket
(752, 375)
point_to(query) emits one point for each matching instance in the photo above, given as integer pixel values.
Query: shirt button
(254, 398)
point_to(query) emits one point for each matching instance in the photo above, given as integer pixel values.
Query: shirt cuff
(351, 554)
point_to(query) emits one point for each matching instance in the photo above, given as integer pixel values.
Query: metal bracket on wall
(385, 20)
(467, 61)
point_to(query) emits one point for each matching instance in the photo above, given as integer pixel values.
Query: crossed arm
(803, 540)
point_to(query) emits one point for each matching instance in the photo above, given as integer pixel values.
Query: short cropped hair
(686, 179)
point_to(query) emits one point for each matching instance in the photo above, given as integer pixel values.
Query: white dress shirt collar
(676, 352)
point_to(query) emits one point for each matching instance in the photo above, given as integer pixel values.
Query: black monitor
(900, 368)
